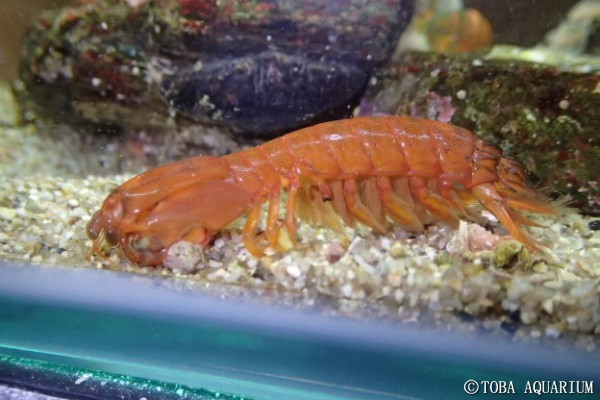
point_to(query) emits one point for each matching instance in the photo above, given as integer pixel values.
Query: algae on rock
(543, 116)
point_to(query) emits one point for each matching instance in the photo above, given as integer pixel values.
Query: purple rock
(258, 67)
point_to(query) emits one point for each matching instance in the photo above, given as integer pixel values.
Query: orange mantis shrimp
(371, 170)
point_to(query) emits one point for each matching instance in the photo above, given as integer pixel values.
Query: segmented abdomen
(364, 147)
(411, 170)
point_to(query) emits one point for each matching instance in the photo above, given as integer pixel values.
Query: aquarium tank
(320, 199)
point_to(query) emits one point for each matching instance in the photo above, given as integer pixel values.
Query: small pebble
(335, 251)
(563, 104)
(7, 213)
(510, 327)
(294, 271)
(552, 332)
(347, 290)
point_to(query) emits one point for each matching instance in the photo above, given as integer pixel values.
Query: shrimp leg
(250, 230)
(272, 230)
(290, 217)
(359, 210)
(433, 203)
(396, 207)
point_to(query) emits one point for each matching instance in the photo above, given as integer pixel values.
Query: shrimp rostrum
(376, 171)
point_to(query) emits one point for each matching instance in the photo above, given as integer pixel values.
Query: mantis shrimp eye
(106, 219)
(94, 226)
(112, 237)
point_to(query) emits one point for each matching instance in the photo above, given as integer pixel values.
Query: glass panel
(239, 347)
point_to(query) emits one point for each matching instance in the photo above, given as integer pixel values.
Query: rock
(260, 67)
(544, 116)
